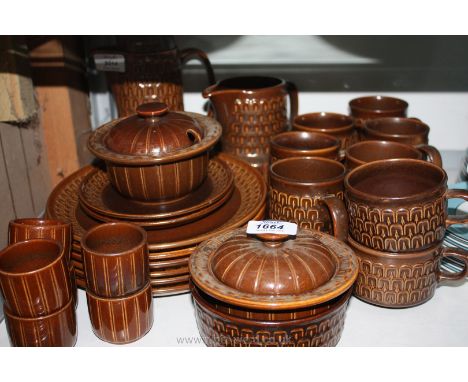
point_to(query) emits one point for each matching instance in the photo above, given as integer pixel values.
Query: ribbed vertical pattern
(57, 329)
(122, 320)
(163, 181)
(116, 276)
(22, 232)
(40, 293)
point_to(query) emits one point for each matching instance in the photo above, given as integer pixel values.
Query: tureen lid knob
(152, 109)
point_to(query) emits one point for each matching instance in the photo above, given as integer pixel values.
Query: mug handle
(197, 54)
(432, 154)
(459, 254)
(339, 216)
(457, 219)
(293, 101)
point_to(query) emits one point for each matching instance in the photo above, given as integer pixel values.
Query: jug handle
(293, 101)
(197, 54)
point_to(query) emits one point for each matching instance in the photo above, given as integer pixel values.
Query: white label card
(271, 226)
(109, 62)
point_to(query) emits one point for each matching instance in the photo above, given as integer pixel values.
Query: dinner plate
(246, 203)
(98, 197)
(162, 223)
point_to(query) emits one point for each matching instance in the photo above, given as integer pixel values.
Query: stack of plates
(456, 235)
(233, 194)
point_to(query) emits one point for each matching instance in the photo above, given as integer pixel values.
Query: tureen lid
(153, 130)
(273, 271)
(154, 134)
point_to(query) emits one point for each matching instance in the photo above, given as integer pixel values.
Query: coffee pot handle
(459, 254)
(197, 54)
(457, 194)
(339, 216)
(293, 101)
(432, 154)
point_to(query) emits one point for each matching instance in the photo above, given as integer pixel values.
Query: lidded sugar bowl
(156, 154)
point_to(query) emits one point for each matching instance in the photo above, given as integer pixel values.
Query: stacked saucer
(456, 235)
(241, 194)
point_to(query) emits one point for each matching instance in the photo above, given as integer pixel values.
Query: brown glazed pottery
(251, 110)
(400, 280)
(371, 151)
(56, 329)
(371, 107)
(34, 278)
(152, 71)
(303, 144)
(338, 125)
(309, 192)
(278, 274)
(115, 259)
(246, 203)
(98, 195)
(156, 154)
(411, 131)
(121, 320)
(38, 228)
(399, 205)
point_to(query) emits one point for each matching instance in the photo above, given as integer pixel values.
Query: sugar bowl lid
(154, 134)
(273, 272)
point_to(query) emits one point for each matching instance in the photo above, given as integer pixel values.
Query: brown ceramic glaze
(34, 278)
(273, 272)
(338, 125)
(400, 280)
(115, 259)
(252, 110)
(404, 130)
(218, 328)
(56, 329)
(268, 315)
(156, 154)
(371, 107)
(246, 203)
(309, 192)
(38, 228)
(399, 205)
(121, 320)
(371, 151)
(153, 72)
(98, 195)
(272, 290)
(303, 144)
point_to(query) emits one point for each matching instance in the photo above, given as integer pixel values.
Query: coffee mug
(115, 259)
(411, 131)
(34, 278)
(371, 151)
(370, 107)
(304, 144)
(309, 192)
(401, 280)
(338, 125)
(399, 205)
